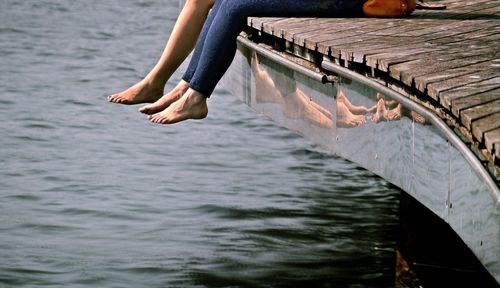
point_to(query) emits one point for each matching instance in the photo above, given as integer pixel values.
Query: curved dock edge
(415, 150)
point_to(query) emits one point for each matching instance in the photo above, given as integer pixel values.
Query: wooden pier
(448, 60)
(435, 75)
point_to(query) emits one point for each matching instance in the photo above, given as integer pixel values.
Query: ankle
(154, 83)
(196, 97)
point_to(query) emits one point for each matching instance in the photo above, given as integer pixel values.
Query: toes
(111, 98)
(157, 119)
(144, 109)
(115, 98)
(153, 118)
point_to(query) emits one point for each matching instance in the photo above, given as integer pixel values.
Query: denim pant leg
(193, 63)
(219, 46)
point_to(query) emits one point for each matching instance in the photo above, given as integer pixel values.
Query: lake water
(93, 195)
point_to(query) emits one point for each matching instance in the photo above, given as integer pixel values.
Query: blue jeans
(216, 45)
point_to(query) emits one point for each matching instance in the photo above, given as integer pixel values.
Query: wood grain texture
(451, 56)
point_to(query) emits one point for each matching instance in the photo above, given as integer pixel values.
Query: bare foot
(346, 119)
(167, 99)
(142, 92)
(192, 105)
(394, 114)
(381, 114)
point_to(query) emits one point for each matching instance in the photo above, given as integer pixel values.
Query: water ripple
(241, 213)
(93, 195)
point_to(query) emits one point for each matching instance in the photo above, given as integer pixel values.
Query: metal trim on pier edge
(435, 120)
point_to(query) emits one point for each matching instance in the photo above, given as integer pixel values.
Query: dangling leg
(179, 45)
(192, 105)
(220, 46)
(183, 85)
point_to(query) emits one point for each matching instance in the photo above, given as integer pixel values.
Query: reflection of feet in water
(383, 114)
(354, 109)
(299, 105)
(381, 111)
(143, 92)
(346, 119)
(350, 115)
(295, 105)
(192, 105)
(166, 100)
(418, 118)
(394, 114)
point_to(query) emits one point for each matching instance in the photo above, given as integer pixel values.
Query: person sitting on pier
(216, 46)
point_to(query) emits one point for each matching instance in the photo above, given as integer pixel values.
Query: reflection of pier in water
(378, 122)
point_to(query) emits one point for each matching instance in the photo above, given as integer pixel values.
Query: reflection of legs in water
(345, 117)
(299, 105)
(179, 45)
(380, 114)
(295, 104)
(385, 114)
(265, 88)
(358, 110)
(394, 111)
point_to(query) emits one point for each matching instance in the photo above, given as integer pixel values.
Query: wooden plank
(483, 125)
(361, 54)
(473, 42)
(410, 70)
(471, 10)
(340, 30)
(446, 73)
(357, 52)
(423, 43)
(268, 25)
(384, 60)
(449, 28)
(446, 97)
(375, 57)
(328, 47)
(439, 71)
(470, 115)
(490, 139)
(378, 48)
(411, 25)
(332, 32)
(435, 87)
(451, 56)
(467, 102)
(497, 150)
(476, 33)
(257, 22)
(308, 27)
(446, 44)
(280, 27)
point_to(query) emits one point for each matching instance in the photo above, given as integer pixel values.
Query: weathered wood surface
(451, 56)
